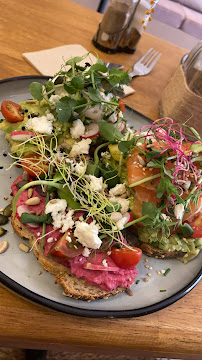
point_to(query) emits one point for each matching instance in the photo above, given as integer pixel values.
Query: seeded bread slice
(156, 252)
(73, 286)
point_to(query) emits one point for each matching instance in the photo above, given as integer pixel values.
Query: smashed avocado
(28, 108)
(191, 246)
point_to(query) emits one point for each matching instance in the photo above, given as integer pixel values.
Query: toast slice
(73, 286)
(158, 253)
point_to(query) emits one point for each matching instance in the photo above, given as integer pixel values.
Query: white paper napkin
(48, 62)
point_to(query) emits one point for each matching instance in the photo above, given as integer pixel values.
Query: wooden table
(176, 331)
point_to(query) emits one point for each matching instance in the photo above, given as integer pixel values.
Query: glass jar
(192, 68)
(115, 20)
(122, 25)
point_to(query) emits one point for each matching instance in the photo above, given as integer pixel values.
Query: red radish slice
(128, 216)
(25, 209)
(21, 135)
(120, 126)
(90, 266)
(91, 131)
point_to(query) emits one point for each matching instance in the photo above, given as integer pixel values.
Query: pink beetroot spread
(106, 280)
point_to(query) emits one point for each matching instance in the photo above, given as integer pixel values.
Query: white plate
(19, 270)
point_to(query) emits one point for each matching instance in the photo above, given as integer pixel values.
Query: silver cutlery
(146, 63)
(113, 66)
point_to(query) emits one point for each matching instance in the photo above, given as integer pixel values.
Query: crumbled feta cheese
(109, 252)
(55, 206)
(81, 147)
(96, 183)
(40, 125)
(54, 99)
(104, 263)
(38, 234)
(119, 189)
(67, 221)
(123, 202)
(179, 211)
(77, 130)
(86, 252)
(106, 155)
(120, 224)
(113, 118)
(50, 117)
(79, 168)
(49, 240)
(87, 234)
(107, 97)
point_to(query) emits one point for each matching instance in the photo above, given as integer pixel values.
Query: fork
(146, 63)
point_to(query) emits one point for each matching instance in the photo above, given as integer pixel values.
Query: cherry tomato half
(122, 105)
(65, 249)
(196, 225)
(34, 165)
(126, 257)
(11, 111)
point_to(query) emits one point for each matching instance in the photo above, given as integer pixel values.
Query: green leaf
(92, 169)
(36, 91)
(118, 77)
(186, 230)
(109, 132)
(98, 67)
(77, 83)
(79, 102)
(64, 109)
(116, 207)
(148, 208)
(67, 195)
(30, 218)
(165, 185)
(70, 89)
(124, 146)
(74, 60)
(94, 94)
(153, 153)
(49, 86)
(110, 175)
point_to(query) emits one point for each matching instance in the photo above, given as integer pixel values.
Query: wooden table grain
(176, 331)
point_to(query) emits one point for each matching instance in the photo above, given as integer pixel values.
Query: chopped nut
(5, 197)
(33, 201)
(2, 209)
(3, 246)
(149, 274)
(38, 212)
(145, 279)
(31, 101)
(29, 192)
(25, 176)
(129, 292)
(40, 272)
(146, 260)
(150, 268)
(24, 247)
(158, 272)
(186, 255)
(146, 266)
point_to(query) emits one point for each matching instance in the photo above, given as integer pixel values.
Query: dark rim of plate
(39, 299)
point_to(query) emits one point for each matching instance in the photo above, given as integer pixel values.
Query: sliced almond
(3, 246)
(24, 247)
(39, 212)
(29, 192)
(33, 201)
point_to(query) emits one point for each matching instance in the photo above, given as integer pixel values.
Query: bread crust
(72, 286)
(156, 252)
